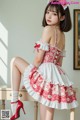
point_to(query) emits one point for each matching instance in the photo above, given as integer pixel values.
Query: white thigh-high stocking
(14, 100)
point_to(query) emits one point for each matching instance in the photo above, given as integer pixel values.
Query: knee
(13, 61)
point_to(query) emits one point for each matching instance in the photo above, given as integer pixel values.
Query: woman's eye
(55, 14)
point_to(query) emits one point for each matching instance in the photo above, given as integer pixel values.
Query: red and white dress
(49, 84)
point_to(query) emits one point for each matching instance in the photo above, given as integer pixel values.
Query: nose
(49, 16)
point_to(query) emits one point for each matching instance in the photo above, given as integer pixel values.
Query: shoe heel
(23, 110)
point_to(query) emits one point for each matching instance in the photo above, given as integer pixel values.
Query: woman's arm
(40, 54)
(38, 58)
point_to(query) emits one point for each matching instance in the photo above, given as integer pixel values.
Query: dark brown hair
(66, 24)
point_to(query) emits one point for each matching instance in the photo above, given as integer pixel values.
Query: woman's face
(51, 17)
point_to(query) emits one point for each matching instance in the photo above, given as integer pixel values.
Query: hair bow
(64, 3)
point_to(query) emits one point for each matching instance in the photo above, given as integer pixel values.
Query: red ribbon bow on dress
(37, 45)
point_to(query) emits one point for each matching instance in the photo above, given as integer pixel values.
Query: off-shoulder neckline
(55, 47)
(52, 46)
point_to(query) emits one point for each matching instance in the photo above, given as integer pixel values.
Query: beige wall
(21, 23)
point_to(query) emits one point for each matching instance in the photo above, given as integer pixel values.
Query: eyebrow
(51, 11)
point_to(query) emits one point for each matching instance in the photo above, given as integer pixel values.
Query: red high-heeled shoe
(17, 113)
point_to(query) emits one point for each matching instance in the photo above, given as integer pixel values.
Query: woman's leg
(42, 111)
(49, 113)
(18, 66)
(46, 113)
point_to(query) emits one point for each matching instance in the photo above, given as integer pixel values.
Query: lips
(48, 20)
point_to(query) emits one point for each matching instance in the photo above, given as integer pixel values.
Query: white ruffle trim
(43, 46)
(42, 100)
(50, 73)
(28, 70)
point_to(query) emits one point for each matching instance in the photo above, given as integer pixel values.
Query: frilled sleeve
(41, 45)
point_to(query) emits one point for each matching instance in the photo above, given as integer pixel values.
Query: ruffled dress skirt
(50, 85)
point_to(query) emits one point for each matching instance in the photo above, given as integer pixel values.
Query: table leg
(72, 112)
(3, 104)
(35, 110)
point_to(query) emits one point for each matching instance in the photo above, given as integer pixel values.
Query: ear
(62, 18)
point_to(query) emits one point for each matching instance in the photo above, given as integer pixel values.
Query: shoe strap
(14, 102)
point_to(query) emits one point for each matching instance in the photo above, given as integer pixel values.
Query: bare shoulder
(47, 29)
(46, 34)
